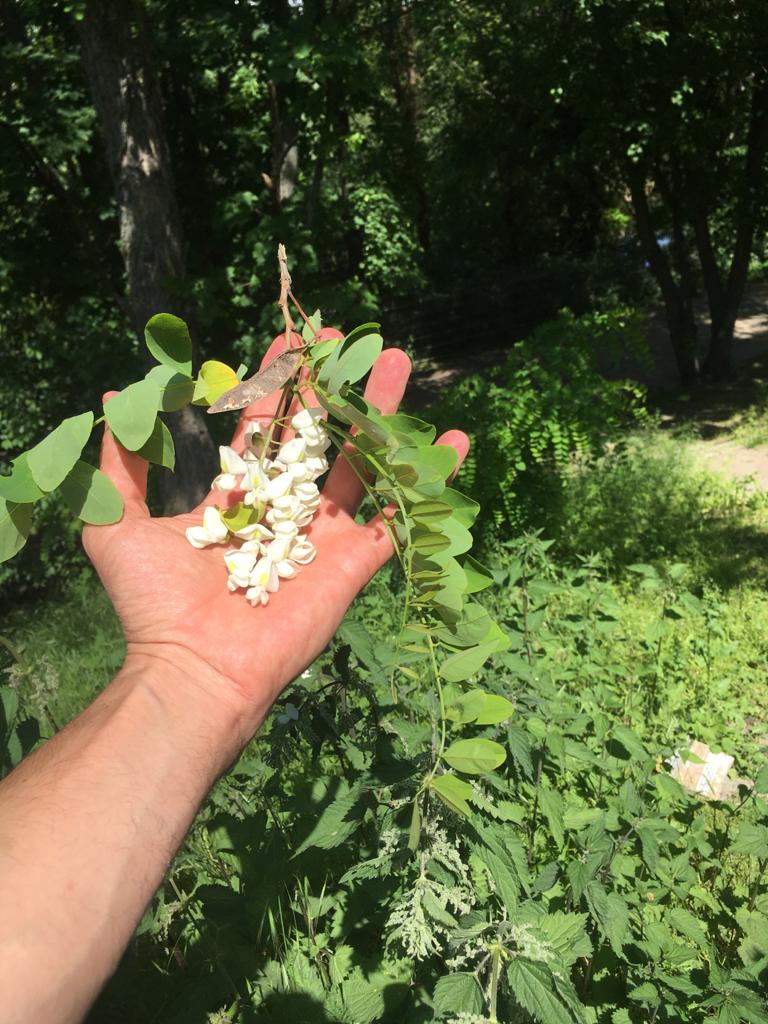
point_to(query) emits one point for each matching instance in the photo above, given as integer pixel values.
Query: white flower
(306, 418)
(303, 551)
(285, 529)
(287, 507)
(230, 461)
(316, 464)
(263, 582)
(308, 494)
(213, 530)
(278, 487)
(232, 467)
(240, 565)
(292, 451)
(224, 482)
(286, 569)
(253, 532)
(299, 472)
(278, 549)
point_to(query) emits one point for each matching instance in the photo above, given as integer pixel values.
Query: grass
(648, 501)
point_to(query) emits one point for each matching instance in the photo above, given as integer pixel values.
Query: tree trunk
(406, 89)
(678, 306)
(126, 94)
(718, 362)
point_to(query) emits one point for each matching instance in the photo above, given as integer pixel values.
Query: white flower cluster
(280, 498)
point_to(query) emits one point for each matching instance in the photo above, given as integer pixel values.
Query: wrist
(190, 693)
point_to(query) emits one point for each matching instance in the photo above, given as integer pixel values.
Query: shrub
(547, 404)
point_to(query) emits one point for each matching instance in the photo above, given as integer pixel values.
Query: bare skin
(90, 822)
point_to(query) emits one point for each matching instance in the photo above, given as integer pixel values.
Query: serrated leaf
(336, 822)
(53, 457)
(167, 338)
(751, 839)
(551, 803)
(611, 913)
(15, 524)
(454, 792)
(475, 757)
(363, 1002)
(761, 779)
(91, 496)
(20, 487)
(457, 993)
(131, 413)
(534, 989)
(159, 448)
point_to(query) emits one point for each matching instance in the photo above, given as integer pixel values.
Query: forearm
(90, 823)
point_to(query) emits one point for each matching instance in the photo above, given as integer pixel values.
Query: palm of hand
(167, 592)
(170, 595)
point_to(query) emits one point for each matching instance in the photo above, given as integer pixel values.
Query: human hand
(172, 599)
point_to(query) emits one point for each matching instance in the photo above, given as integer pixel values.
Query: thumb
(127, 470)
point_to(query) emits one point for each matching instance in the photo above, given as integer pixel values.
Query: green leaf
(337, 821)
(213, 381)
(354, 362)
(363, 1002)
(131, 413)
(478, 577)
(565, 934)
(91, 496)
(54, 456)
(475, 757)
(310, 330)
(323, 349)
(454, 792)
(365, 419)
(15, 524)
(429, 513)
(177, 390)
(465, 509)
(20, 487)
(752, 840)
(240, 515)
(551, 803)
(159, 449)
(457, 993)
(409, 429)
(611, 913)
(441, 459)
(534, 989)
(761, 779)
(481, 708)
(464, 664)
(167, 338)
(414, 832)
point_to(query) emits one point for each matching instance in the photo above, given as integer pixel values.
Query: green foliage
(547, 405)
(646, 500)
(578, 881)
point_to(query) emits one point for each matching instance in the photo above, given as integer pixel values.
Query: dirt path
(734, 460)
